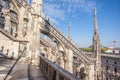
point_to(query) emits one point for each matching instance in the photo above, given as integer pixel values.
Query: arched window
(14, 22)
(2, 19)
(115, 70)
(107, 61)
(115, 62)
(14, 15)
(107, 68)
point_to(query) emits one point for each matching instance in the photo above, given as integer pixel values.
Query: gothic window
(107, 61)
(2, 22)
(0, 8)
(113, 51)
(11, 31)
(115, 62)
(115, 70)
(107, 68)
(13, 28)
(24, 29)
(14, 15)
(14, 22)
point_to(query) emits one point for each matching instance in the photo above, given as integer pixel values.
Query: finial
(69, 25)
(95, 20)
(69, 31)
(95, 12)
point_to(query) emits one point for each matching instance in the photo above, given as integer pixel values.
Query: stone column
(20, 25)
(65, 60)
(29, 35)
(48, 53)
(35, 39)
(91, 72)
(14, 30)
(62, 63)
(7, 26)
(70, 61)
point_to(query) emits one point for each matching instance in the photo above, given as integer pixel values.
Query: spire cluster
(96, 48)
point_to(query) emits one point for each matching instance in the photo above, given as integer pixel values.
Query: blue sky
(80, 14)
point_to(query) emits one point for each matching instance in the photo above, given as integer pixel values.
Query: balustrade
(53, 71)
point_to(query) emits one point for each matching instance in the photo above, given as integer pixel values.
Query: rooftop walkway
(21, 71)
(5, 66)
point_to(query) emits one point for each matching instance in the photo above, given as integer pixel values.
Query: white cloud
(60, 9)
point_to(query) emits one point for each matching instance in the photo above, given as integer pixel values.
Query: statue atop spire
(69, 31)
(96, 49)
(95, 12)
(95, 22)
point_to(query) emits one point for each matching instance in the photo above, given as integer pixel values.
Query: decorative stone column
(48, 53)
(91, 72)
(21, 22)
(36, 39)
(70, 60)
(7, 26)
(35, 32)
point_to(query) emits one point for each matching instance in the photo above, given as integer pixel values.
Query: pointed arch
(17, 8)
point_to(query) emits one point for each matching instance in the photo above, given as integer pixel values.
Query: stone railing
(53, 71)
(55, 33)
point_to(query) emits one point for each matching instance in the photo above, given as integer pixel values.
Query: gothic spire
(96, 49)
(69, 31)
(96, 40)
(95, 23)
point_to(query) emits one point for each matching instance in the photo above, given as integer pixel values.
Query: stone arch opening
(56, 40)
(60, 58)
